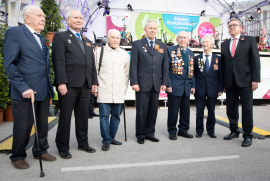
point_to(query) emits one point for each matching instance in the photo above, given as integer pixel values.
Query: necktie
(206, 64)
(152, 47)
(78, 35)
(43, 44)
(233, 48)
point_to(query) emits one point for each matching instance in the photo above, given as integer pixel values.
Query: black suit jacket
(71, 66)
(212, 82)
(246, 62)
(148, 68)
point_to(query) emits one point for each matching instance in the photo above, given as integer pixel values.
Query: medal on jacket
(69, 40)
(178, 52)
(216, 65)
(191, 68)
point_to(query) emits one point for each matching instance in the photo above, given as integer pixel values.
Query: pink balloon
(206, 28)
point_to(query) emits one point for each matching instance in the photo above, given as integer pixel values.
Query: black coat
(246, 62)
(71, 66)
(146, 68)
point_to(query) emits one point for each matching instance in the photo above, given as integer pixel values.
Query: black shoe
(172, 136)
(231, 136)
(105, 146)
(186, 135)
(198, 135)
(212, 135)
(87, 149)
(93, 114)
(140, 140)
(247, 142)
(154, 139)
(90, 117)
(115, 142)
(65, 155)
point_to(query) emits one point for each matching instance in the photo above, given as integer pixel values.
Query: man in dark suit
(148, 76)
(209, 85)
(75, 77)
(241, 65)
(181, 84)
(26, 61)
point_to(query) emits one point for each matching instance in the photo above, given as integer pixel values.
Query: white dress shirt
(209, 58)
(237, 40)
(36, 37)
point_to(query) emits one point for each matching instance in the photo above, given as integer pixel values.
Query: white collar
(210, 54)
(73, 31)
(237, 37)
(30, 29)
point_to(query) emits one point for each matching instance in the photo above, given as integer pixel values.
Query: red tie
(233, 48)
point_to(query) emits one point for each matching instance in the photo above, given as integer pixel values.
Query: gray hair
(211, 38)
(113, 30)
(147, 21)
(69, 13)
(27, 9)
(235, 19)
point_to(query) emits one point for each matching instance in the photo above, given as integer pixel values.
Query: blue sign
(176, 23)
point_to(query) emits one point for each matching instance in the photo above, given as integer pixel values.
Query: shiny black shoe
(172, 137)
(198, 135)
(106, 146)
(93, 114)
(247, 142)
(186, 135)
(140, 140)
(154, 139)
(212, 135)
(65, 155)
(231, 136)
(87, 149)
(115, 142)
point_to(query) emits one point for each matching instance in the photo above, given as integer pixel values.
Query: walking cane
(125, 122)
(39, 155)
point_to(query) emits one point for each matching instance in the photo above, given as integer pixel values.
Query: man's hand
(192, 90)
(254, 86)
(29, 94)
(162, 88)
(94, 88)
(62, 88)
(219, 93)
(169, 89)
(224, 90)
(136, 87)
(95, 94)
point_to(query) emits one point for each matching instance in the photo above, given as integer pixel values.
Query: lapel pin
(243, 38)
(70, 35)
(69, 40)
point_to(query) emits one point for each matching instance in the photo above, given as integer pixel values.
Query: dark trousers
(201, 102)
(91, 104)
(174, 103)
(77, 98)
(146, 113)
(22, 125)
(232, 99)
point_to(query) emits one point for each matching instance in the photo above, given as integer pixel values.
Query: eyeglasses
(233, 25)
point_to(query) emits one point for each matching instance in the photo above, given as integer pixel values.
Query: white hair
(181, 32)
(211, 38)
(69, 13)
(27, 9)
(147, 21)
(113, 30)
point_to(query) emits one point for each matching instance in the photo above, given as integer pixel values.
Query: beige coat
(113, 76)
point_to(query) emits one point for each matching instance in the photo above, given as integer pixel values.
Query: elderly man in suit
(26, 61)
(148, 76)
(181, 83)
(241, 61)
(209, 85)
(75, 78)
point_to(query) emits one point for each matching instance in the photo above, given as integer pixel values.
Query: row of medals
(201, 64)
(178, 63)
